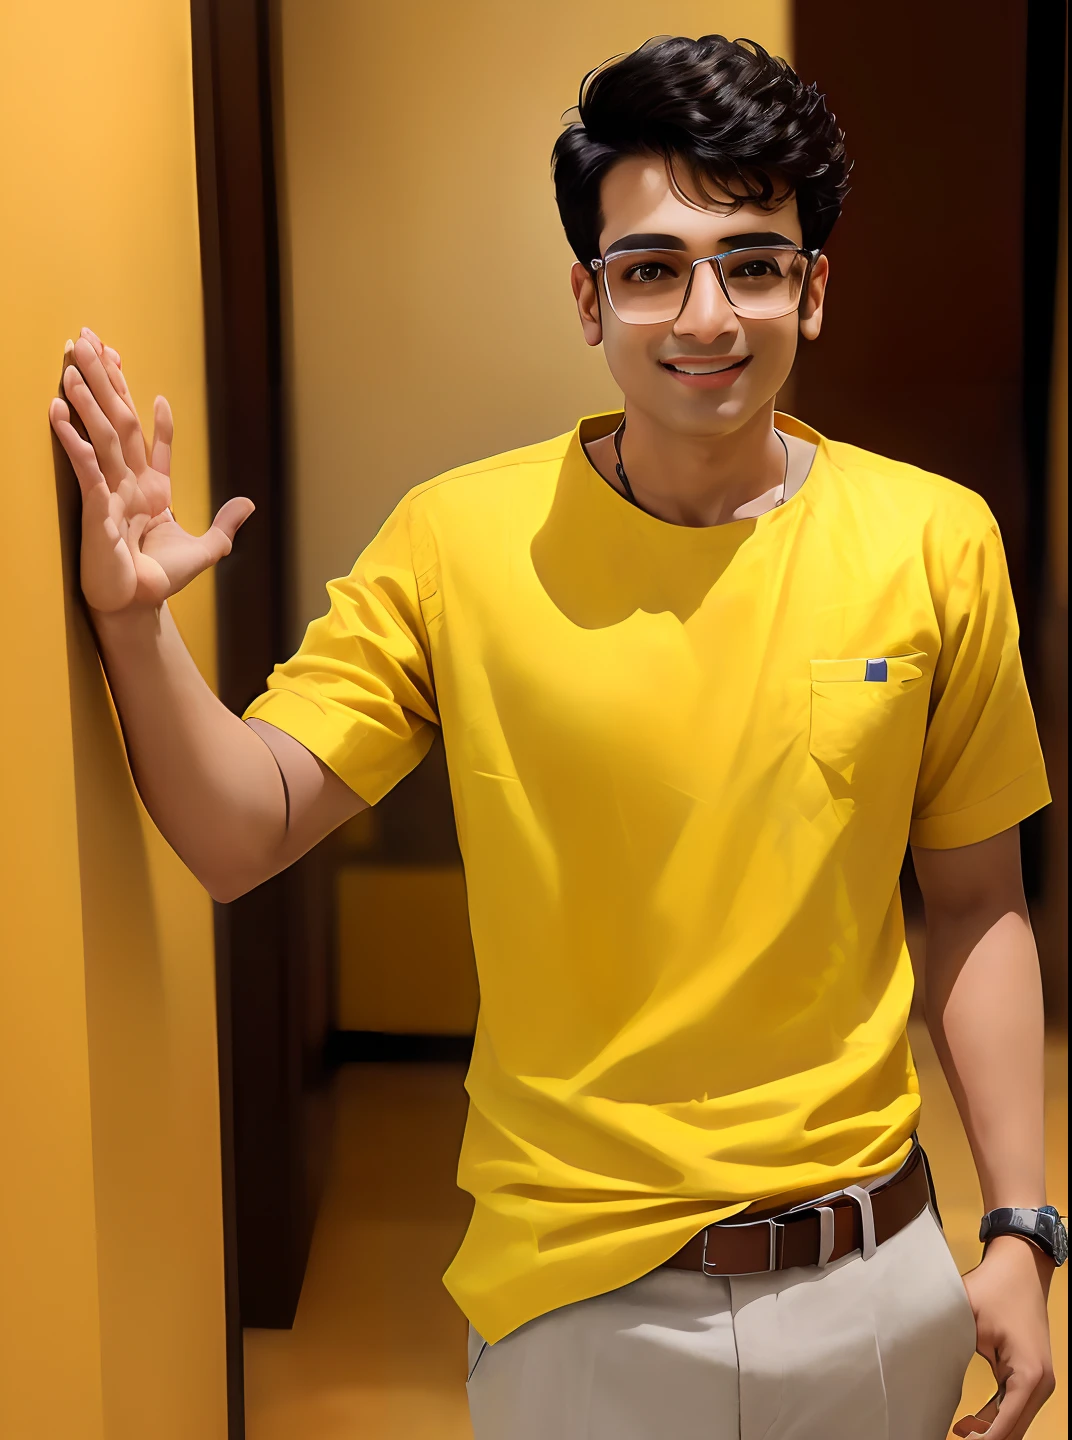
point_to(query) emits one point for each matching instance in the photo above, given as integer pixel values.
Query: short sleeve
(982, 769)
(359, 692)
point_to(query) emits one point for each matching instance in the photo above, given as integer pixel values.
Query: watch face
(1060, 1234)
(1060, 1243)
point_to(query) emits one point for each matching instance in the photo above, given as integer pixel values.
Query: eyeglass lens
(646, 287)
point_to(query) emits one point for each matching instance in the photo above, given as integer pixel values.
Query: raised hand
(134, 551)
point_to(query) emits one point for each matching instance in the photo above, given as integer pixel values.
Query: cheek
(773, 343)
(630, 351)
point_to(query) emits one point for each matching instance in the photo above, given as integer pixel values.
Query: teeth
(682, 370)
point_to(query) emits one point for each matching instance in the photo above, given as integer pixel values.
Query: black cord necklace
(619, 468)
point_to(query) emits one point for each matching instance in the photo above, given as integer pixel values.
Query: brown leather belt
(857, 1219)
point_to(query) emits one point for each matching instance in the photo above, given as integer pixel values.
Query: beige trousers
(863, 1350)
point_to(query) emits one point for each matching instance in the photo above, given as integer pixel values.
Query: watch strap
(1042, 1227)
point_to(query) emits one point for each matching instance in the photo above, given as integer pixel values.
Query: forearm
(983, 1002)
(210, 784)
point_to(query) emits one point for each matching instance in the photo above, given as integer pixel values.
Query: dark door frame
(268, 1041)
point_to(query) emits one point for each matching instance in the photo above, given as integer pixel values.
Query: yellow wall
(428, 316)
(111, 1302)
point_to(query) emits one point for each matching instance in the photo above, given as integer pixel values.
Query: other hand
(1007, 1291)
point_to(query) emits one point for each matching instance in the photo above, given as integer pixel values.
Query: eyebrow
(675, 242)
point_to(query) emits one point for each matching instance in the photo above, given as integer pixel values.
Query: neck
(697, 480)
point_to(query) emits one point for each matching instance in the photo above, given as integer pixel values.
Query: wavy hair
(726, 111)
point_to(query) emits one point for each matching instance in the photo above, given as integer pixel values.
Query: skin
(984, 1009)
(213, 784)
(241, 801)
(693, 456)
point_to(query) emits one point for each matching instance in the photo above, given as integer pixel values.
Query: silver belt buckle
(776, 1231)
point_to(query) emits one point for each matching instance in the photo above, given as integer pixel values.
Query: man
(701, 675)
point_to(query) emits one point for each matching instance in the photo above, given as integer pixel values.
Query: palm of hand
(170, 557)
(146, 493)
(134, 551)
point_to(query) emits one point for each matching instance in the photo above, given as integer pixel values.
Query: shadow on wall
(119, 927)
(126, 1002)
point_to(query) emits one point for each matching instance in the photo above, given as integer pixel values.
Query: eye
(647, 272)
(756, 270)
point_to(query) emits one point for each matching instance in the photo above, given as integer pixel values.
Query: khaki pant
(863, 1350)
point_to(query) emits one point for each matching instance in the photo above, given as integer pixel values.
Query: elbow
(235, 864)
(228, 885)
(223, 894)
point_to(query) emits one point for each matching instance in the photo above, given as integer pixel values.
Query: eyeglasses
(650, 287)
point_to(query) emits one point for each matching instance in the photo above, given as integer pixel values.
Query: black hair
(726, 111)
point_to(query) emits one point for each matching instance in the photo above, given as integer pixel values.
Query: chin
(708, 415)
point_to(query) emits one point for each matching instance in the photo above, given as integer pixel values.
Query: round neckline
(734, 530)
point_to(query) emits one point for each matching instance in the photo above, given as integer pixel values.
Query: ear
(811, 309)
(586, 293)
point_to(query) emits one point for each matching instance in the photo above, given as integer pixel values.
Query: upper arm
(358, 694)
(979, 882)
(318, 802)
(976, 912)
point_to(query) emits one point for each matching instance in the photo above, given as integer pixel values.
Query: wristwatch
(1044, 1228)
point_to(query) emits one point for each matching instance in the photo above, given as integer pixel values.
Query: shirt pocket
(863, 711)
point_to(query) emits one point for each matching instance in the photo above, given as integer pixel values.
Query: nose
(706, 314)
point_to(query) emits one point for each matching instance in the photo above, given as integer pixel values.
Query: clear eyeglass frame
(599, 264)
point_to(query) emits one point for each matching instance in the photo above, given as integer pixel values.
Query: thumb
(136, 531)
(981, 1421)
(220, 535)
(153, 584)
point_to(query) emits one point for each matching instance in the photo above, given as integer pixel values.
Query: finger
(219, 537)
(981, 1421)
(104, 351)
(71, 414)
(113, 367)
(107, 574)
(80, 452)
(1021, 1402)
(122, 389)
(101, 432)
(118, 382)
(163, 435)
(1035, 1402)
(120, 414)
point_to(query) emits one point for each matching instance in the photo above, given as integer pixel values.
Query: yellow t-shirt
(685, 765)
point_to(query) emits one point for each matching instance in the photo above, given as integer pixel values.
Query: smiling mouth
(711, 370)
